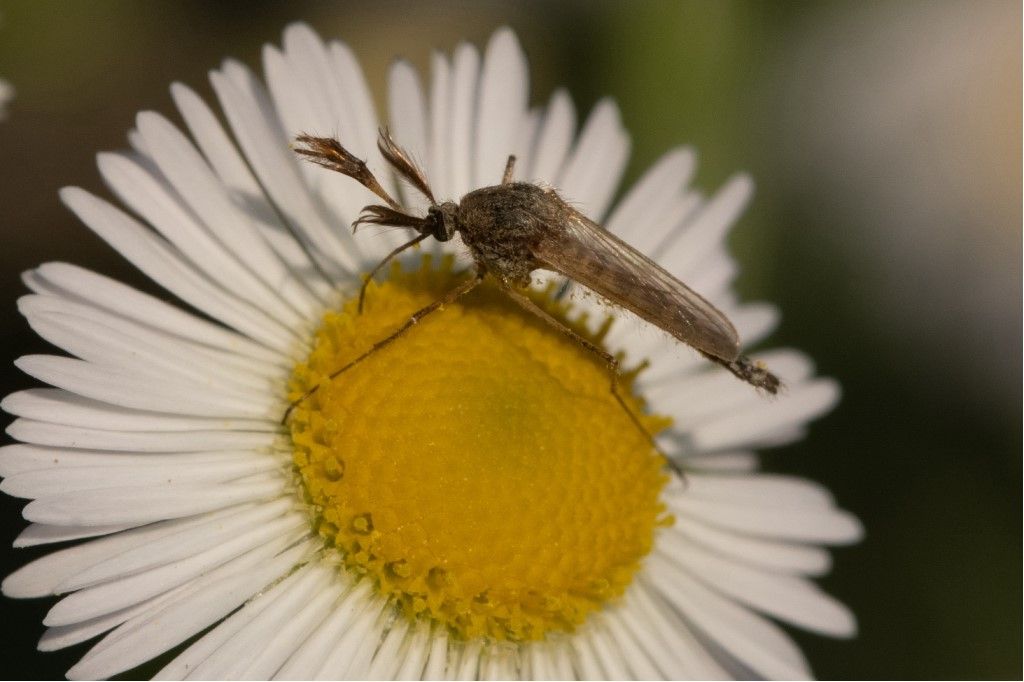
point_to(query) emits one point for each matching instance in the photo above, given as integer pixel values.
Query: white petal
(732, 462)
(650, 198)
(150, 311)
(245, 191)
(259, 635)
(713, 278)
(218, 527)
(466, 66)
(41, 577)
(53, 482)
(56, 435)
(359, 665)
(266, 146)
(500, 662)
(311, 101)
(309, 93)
(798, 405)
(163, 265)
(691, 398)
(413, 657)
(785, 597)
(57, 406)
(768, 490)
(828, 526)
(361, 118)
(588, 665)
(437, 660)
(297, 625)
(554, 139)
(541, 661)
(640, 663)
(122, 387)
(350, 656)
(18, 459)
(467, 665)
(408, 109)
(706, 230)
(153, 199)
(606, 649)
(652, 639)
(779, 556)
(667, 225)
(102, 338)
(666, 638)
(309, 97)
(214, 596)
(128, 590)
(360, 111)
(755, 321)
(675, 362)
(440, 126)
(754, 641)
(141, 504)
(42, 534)
(311, 655)
(385, 662)
(68, 635)
(563, 659)
(274, 286)
(501, 109)
(525, 144)
(592, 172)
(138, 145)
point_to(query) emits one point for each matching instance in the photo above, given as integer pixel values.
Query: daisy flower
(6, 95)
(470, 501)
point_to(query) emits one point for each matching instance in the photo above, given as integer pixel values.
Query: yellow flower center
(478, 469)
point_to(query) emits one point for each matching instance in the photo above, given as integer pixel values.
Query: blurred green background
(885, 139)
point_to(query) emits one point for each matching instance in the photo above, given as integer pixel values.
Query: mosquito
(514, 228)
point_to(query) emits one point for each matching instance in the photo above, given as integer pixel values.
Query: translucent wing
(590, 255)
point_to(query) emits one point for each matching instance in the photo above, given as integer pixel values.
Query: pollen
(478, 470)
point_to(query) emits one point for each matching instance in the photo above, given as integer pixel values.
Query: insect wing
(587, 253)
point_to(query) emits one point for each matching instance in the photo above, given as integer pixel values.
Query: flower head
(470, 499)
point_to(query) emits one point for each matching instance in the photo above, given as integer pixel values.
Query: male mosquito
(515, 228)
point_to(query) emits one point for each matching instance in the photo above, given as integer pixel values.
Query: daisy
(470, 501)
(6, 95)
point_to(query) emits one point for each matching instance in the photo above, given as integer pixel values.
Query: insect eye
(442, 230)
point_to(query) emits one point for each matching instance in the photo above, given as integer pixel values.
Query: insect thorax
(500, 224)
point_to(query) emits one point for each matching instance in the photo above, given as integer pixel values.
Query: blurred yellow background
(885, 139)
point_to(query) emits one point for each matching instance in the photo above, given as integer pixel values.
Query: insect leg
(509, 167)
(447, 299)
(412, 242)
(613, 365)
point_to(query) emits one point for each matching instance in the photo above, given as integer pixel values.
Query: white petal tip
(849, 530)
(299, 30)
(147, 120)
(72, 195)
(22, 585)
(744, 183)
(504, 38)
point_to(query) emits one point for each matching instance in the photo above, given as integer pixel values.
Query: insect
(515, 228)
